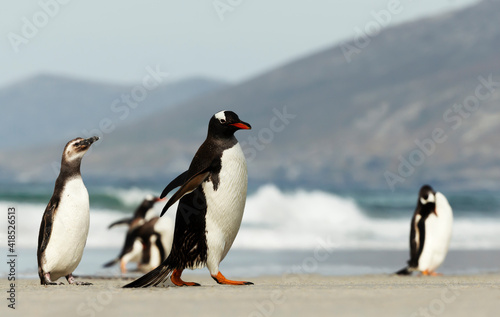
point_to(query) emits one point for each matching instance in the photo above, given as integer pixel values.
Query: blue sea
(300, 231)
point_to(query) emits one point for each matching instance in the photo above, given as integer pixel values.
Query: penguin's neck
(68, 171)
(427, 209)
(222, 141)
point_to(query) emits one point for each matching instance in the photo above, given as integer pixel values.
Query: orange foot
(429, 273)
(176, 279)
(123, 267)
(219, 278)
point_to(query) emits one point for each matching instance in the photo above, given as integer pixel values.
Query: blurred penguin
(430, 233)
(140, 214)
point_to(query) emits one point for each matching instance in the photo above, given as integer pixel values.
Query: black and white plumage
(147, 244)
(65, 223)
(212, 198)
(140, 213)
(430, 232)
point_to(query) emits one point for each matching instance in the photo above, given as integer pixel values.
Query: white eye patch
(221, 116)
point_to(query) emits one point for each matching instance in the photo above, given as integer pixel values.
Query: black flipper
(420, 228)
(44, 234)
(160, 247)
(178, 181)
(187, 188)
(120, 222)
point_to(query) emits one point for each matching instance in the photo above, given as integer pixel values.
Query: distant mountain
(47, 108)
(365, 123)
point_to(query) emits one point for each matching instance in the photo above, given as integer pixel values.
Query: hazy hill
(47, 108)
(354, 121)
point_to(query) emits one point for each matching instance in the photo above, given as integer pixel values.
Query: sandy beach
(288, 295)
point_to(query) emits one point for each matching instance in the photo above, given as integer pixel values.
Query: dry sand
(293, 295)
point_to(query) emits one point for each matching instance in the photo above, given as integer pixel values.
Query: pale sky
(115, 40)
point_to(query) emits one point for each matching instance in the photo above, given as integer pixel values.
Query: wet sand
(286, 295)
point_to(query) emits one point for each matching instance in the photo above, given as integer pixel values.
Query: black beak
(89, 141)
(86, 143)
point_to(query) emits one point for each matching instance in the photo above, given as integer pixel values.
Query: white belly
(437, 235)
(225, 206)
(135, 255)
(69, 231)
(165, 226)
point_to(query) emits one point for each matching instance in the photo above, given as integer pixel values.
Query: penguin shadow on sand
(430, 233)
(148, 239)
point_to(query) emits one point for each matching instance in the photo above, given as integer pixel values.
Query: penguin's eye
(222, 121)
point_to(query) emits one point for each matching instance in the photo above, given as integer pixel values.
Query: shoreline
(257, 263)
(273, 295)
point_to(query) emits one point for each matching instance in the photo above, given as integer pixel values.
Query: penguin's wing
(46, 226)
(120, 222)
(414, 242)
(178, 181)
(188, 187)
(421, 235)
(160, 247)
(417, 239)
(146, 252)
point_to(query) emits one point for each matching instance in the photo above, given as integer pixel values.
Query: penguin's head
(427, 198)
(149, 202)
(226, 123)
(427, 195)
(76, 148)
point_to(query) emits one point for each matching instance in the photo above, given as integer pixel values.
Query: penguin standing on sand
(139, 250)
(212, 198)
(65, 223)
(430, 233)
(148, 245)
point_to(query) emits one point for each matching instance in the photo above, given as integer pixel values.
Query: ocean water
(308, 231)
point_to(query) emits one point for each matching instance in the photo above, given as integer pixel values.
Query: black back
(418, 227)
(189, 247)
(69, 169)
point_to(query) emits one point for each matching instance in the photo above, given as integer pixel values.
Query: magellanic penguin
(65, 222)
(430, 233)
(148, 245)
(212, 198)
(139, 217)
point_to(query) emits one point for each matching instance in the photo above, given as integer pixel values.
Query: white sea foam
(275, 219)
(129, 197)
(302, 219)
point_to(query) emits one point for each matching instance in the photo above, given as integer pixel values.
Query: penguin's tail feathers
(153, 278)
(404, 271)
(111, 263)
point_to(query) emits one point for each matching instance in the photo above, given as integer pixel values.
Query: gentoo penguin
(148, 245)
(211, 198)
(430, 232)
(65, 222)
(139, 217)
